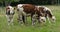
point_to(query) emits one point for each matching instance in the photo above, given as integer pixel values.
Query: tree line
(35, 2)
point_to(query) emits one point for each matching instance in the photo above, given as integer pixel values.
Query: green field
(29, 28)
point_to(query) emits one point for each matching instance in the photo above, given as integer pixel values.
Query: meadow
(29, 28)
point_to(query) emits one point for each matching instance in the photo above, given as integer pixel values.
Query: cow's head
(49, 14)
(10, 10)
(53, 19)
(20, 7)
(42, 19)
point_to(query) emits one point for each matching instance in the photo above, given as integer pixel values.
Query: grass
(29, 28)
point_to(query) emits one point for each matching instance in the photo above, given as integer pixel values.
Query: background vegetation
(35, 2)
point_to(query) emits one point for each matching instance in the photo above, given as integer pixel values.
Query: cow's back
(29, 8)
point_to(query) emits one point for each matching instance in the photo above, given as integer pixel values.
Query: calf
(48, 13)
(9, 14)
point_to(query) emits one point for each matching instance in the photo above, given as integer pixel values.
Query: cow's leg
(39, 21)
(20, 19)
(33, 19)
(8, 19)
(24, 18)
(11, 18)
(49, 19)
(12, 21)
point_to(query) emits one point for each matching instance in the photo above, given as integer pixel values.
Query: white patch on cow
(21, 9)
(12, 10)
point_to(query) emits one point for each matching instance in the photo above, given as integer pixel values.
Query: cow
(48, 14)
(9, 14)
(24, 9)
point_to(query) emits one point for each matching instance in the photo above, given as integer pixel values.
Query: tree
(7, 2)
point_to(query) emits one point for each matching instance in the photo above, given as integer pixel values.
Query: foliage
(36, 2)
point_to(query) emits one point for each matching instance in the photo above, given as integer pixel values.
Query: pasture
(29, 28)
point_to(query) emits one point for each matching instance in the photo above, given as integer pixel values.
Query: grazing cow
(9, 14)
(48, 13)
(24, 9)
(41, 14)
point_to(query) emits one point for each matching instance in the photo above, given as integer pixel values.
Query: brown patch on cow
(7, 8)
(49, 14)
(29, 8)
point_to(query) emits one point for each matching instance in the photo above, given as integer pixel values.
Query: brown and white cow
(48, 14)
(9, 14)
(24, 9)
